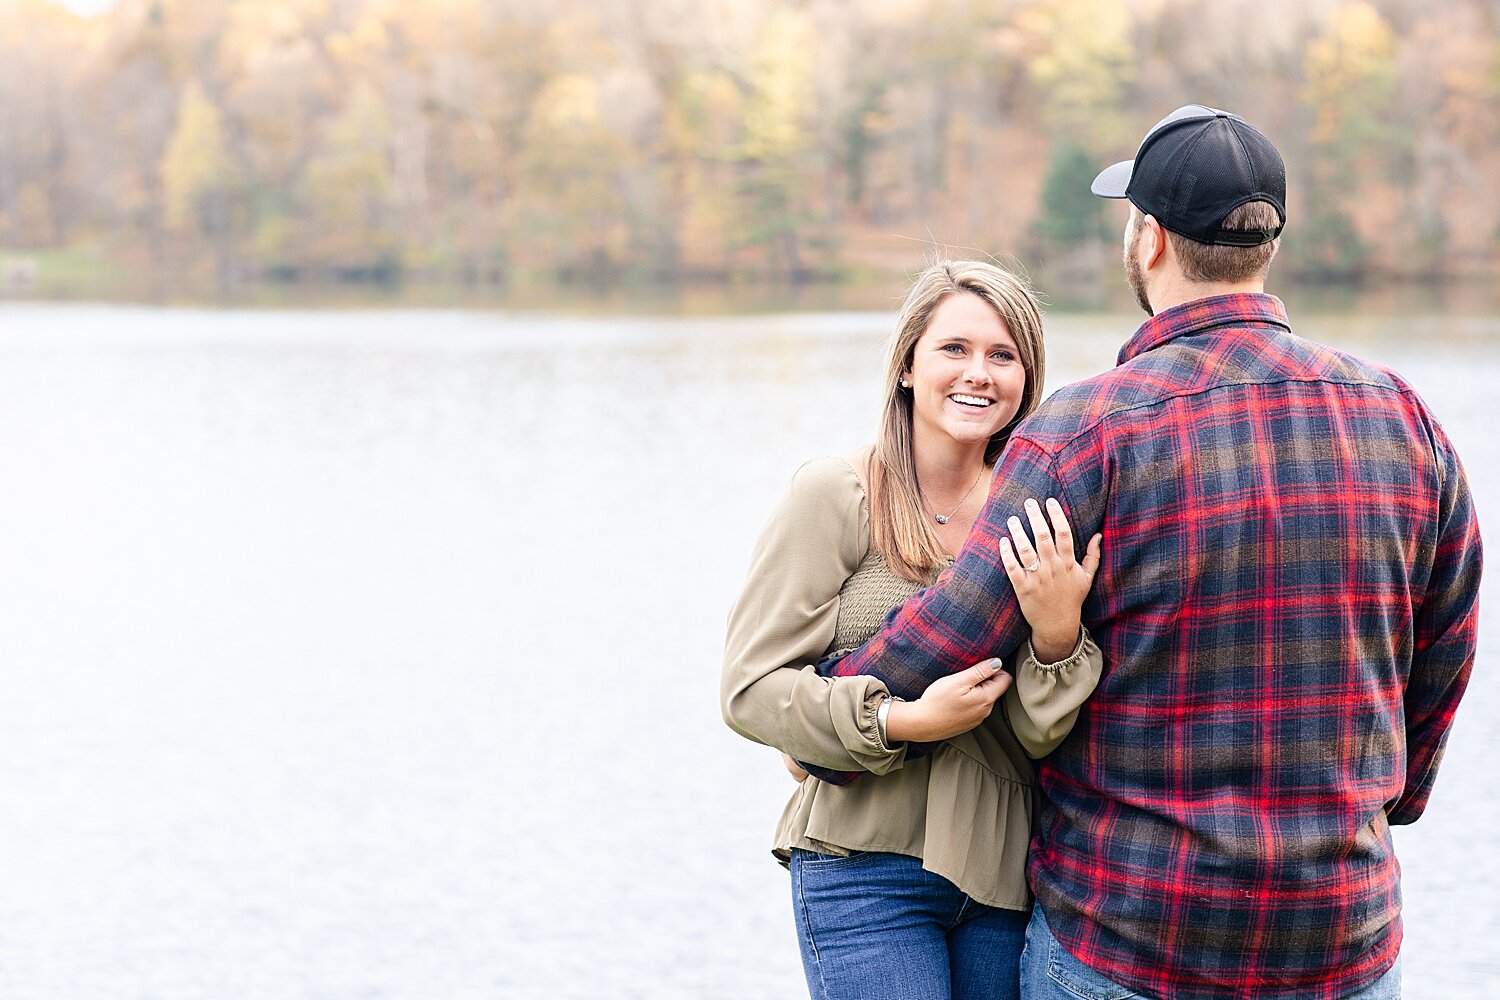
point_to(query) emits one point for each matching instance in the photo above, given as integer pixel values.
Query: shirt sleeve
(971, 613)
(784, 621)
(1445, 636)
(1043, 703)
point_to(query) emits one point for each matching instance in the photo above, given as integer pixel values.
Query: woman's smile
(972, 402)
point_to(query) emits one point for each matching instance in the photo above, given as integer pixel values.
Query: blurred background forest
(496, 141)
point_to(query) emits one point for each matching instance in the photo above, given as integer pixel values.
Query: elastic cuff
(1079, 652)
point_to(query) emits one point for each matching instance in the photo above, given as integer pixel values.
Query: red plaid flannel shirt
(1287, 609)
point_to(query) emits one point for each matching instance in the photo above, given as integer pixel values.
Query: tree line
(688, 140)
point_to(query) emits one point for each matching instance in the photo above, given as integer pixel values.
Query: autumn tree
(197, 175)
(489, 139)
(347, 190)
(1350, 72)
(42, 49)
(774, 180)
(1080, 57)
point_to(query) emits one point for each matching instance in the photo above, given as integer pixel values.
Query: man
(1287, 609)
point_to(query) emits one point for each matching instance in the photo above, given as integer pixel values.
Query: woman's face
(966, 375)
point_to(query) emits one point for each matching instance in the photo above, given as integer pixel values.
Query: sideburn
(1134, 273)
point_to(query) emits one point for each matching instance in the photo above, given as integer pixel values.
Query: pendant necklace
(945, 518)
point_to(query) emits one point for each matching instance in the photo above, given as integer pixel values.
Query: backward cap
(1196, 166)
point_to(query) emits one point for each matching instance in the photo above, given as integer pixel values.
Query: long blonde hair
(899, 527)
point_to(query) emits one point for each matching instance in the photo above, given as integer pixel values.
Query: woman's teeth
(971, 400)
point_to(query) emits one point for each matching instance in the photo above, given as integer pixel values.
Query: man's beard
(1133, 272)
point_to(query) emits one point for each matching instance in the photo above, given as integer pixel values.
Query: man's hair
(1211, 262)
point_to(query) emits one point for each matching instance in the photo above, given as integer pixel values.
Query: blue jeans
(1050, 972)
(879, 926)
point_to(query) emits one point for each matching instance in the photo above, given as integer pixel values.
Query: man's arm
(971, 612)
(1446, 634)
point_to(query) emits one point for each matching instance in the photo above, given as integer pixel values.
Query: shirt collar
(1237, 309)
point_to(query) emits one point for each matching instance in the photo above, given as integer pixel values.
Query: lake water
(375, 655)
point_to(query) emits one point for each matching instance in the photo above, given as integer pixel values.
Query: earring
(905, 384)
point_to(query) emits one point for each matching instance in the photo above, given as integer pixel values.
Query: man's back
(1285, 607)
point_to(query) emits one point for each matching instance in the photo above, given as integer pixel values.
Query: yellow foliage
(713, 134)
(1347, 65)
(568, 198)
(569, 103)
(781, 77)
(354, 162)
(258, 26)
(349, 184)
(706, 117)
(707, 222)
(196, 161)
(1080, 55)
(364, 45)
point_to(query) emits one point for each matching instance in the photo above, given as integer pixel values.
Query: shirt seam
(1053, 453)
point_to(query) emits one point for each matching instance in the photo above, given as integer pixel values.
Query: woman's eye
(1005, 356)
(953, 348)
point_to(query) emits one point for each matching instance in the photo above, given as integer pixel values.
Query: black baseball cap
(1196, 166)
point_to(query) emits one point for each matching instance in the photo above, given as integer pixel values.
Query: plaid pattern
(1287, 609)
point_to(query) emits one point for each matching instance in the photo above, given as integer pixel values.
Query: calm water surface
(375, 655)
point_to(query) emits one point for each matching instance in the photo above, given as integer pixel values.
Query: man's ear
(1153, 242)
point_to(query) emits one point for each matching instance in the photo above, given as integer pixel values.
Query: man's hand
(950, 705)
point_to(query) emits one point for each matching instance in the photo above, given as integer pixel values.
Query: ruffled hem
(978, 830)
(963, 819)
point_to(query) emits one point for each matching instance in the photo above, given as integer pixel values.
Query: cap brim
(1112, 181)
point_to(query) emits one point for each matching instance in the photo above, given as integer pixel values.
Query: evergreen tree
(1070, 212)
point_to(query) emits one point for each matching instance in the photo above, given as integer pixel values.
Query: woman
(910, 882)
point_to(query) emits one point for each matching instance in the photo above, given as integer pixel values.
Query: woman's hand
(951, 705)
(1049, 582)
(793, 768)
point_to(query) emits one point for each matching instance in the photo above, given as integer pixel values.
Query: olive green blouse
(816, 587)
